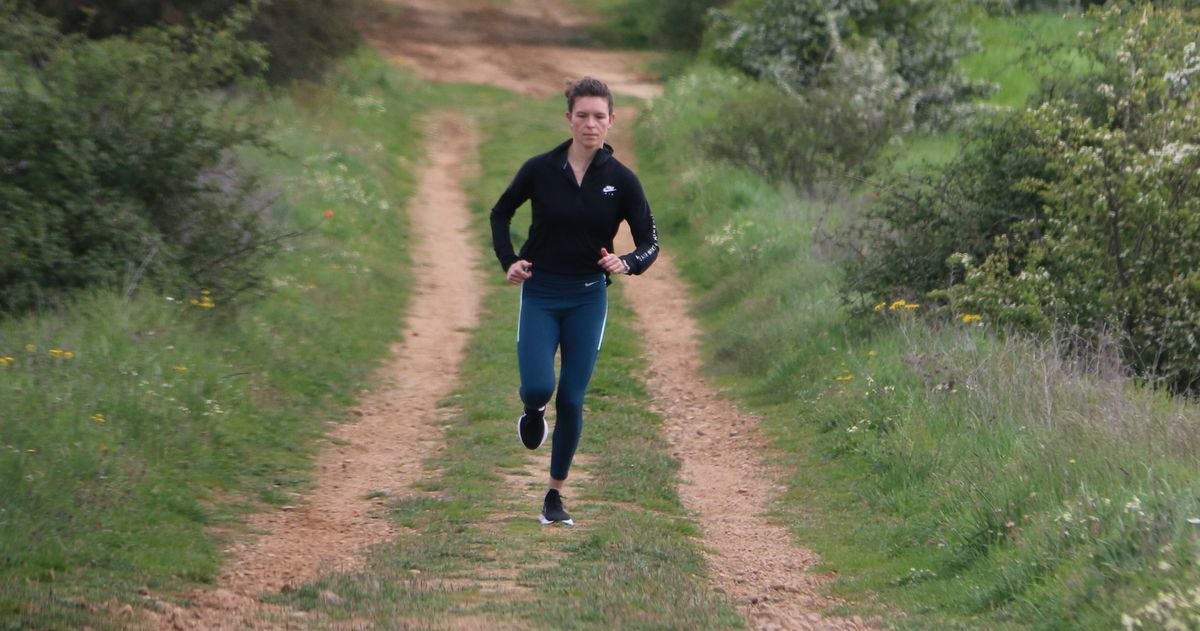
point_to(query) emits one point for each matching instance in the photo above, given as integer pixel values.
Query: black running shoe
(552, 510)
(532, 428)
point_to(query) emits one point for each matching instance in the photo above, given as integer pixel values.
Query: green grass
(964, 480)
(1017, 49)
(169, 419)
(122, 465)
(474, 549)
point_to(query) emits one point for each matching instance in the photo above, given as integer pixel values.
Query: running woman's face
(590, 121)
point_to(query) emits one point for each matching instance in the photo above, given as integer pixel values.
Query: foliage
(1106, 234)
(116, 163)
(919, 222)
(792, 44)
(660, 24)
(803, 140)
(1004, 7)
(301, 37)
(129, 429)
(967, 479)
(831, 129)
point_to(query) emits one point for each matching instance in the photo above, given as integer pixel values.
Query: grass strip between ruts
(133, 433)
(472, 547)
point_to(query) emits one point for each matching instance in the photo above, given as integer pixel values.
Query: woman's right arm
(517, 193)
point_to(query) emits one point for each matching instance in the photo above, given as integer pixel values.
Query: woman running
(579, 194)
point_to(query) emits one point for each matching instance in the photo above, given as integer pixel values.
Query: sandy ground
(376, 458)
(727, 483)
(523, 45)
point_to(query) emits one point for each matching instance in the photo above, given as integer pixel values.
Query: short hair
(587, 86)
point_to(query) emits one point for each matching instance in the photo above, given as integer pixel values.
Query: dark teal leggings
(567, 314)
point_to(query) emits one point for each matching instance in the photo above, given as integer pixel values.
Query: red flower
(328, 213)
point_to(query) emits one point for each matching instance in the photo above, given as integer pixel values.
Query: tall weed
(128, 427)
(973, 479)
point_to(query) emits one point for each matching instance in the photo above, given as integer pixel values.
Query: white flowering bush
(1104, 234)
(908, 49)
(835, 125)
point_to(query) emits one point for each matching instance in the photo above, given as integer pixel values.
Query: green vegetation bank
(961, 364)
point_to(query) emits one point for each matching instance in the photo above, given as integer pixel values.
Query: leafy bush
(671, 24)
(116, 161)
(791, 42)
(919, 222)
(301, 36)
(1101, 229)
(806, 139)
(1010, 6)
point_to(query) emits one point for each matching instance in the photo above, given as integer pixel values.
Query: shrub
(301, 36)
(919, 222)
(790, 43)
(1010, 6)
(671, 24)
(1106, 228)
(116, 162)
(807, 139)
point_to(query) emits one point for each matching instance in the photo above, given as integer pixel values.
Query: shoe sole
(545, 432)
(547, 522)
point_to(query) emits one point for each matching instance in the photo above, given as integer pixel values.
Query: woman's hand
(612, 263)
(519, 272)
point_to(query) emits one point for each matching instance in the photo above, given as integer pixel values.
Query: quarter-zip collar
(560, 154)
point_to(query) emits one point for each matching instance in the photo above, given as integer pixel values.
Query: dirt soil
(378, 457)
(526, 46)
(726, 481)
(520, 45)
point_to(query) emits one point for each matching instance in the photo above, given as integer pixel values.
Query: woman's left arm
(641, 226)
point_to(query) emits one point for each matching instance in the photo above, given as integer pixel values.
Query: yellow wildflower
(879, 307)
(6, 360)
(871, 353)
(68, 355)
(968, 318)
(844, 378)
(204, 302)
(56, 352)
(98, 418)
(911, 305)
(898, 304)
(181, 368)
(31, 348)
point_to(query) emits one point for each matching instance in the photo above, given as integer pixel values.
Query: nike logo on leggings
(591, 283)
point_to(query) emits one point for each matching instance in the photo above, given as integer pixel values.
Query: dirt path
(727, 484)
(522, 46)
(378, 457)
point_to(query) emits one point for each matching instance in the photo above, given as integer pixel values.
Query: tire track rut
(378, 457)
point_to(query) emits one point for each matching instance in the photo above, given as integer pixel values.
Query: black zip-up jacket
(571, 221)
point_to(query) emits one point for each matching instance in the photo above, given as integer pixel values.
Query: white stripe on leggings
(520, 306)
(603, 323)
